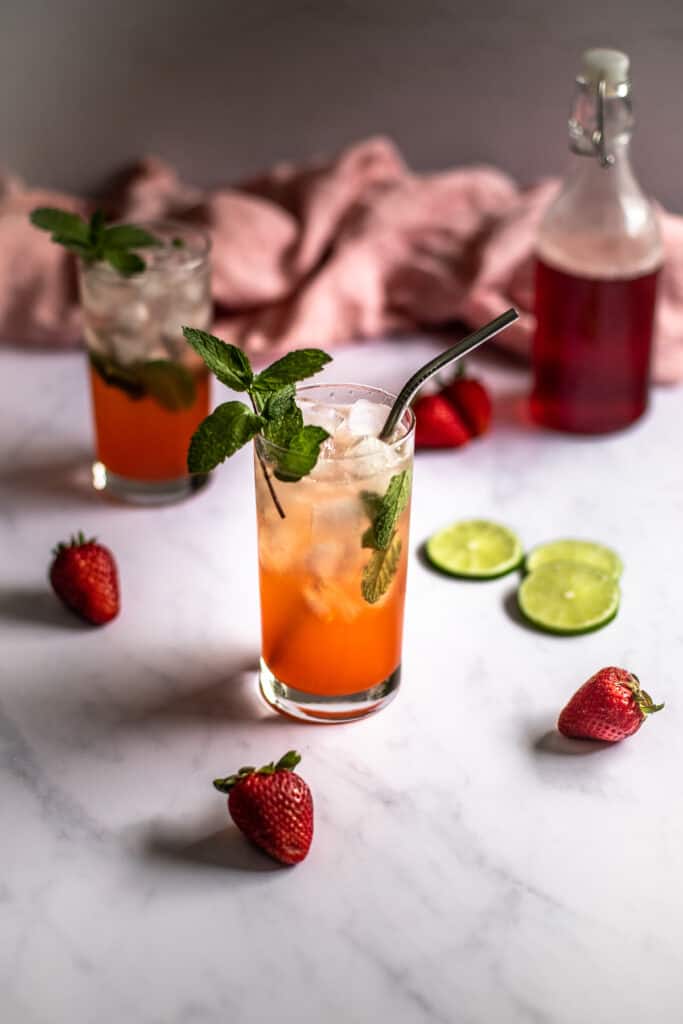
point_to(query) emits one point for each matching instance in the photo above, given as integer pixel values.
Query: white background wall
(222, 88)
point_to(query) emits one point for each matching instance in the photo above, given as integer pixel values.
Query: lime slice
(584, 551)
(476, 549)
(568, 597)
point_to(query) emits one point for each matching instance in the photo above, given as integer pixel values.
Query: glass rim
(195, 257)
(410, 429)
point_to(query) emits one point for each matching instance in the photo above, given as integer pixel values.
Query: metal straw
(451, 355)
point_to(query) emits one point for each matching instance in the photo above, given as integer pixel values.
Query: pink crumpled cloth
(327, 253)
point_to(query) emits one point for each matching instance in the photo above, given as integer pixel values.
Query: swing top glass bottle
(598, 260)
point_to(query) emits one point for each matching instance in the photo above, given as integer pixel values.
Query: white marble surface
(466, 868)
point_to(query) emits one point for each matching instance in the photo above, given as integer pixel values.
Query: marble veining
(469, 867)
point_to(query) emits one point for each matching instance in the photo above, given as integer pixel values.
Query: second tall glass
(150, 391)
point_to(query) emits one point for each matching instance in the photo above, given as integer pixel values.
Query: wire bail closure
(598, 137)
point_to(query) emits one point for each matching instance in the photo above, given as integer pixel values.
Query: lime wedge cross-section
(587, 552)
(475, 549)
(568, 597)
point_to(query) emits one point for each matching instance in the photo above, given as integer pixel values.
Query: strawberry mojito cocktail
(333, 570)
(139, 284)
(149, 390)
(332, 503)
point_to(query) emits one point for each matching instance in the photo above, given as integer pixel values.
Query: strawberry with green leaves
(273, 807)
(272, 411)
(610, 706)
(83, 575)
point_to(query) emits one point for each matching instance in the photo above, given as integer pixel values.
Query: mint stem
(266, 474)
(276, 500)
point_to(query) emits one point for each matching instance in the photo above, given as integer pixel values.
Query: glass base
(312, 707)
(146, 492)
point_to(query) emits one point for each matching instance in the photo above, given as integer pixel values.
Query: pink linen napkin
(326, 253)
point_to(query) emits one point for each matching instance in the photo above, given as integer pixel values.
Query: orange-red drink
(150, 391)
(333, 570)
(138, 437)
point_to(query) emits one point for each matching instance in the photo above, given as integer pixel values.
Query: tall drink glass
(150, 391)
(332, 585)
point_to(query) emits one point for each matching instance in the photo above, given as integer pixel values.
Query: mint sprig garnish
(274, 412)
(93, 241)
(384, 512)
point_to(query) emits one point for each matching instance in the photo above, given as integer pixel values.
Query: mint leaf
(282, 415)
(387, 511)
(123, 377)
(393, 504)
(380, 570)
(220, 435)
(60, 222)
(372, 503)
(73, 245)
(301, 454)
(227, 362)
(93, 241)
(293, 367)
(368, 540)
(127, 263)
(127, 236)
(171, 384)
(96, 229)
(297, 447)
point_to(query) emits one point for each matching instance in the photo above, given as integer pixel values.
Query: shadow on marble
(65, 479)
(37, 606)
(511, 609)
(227, 848)
(553, 742)
(423, 559)
(232, 697)
(128, 697)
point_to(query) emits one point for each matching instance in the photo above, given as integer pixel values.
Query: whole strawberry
(83, 575)
(472, 402)
(273, 807)
(438, 425)
(610, 706)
